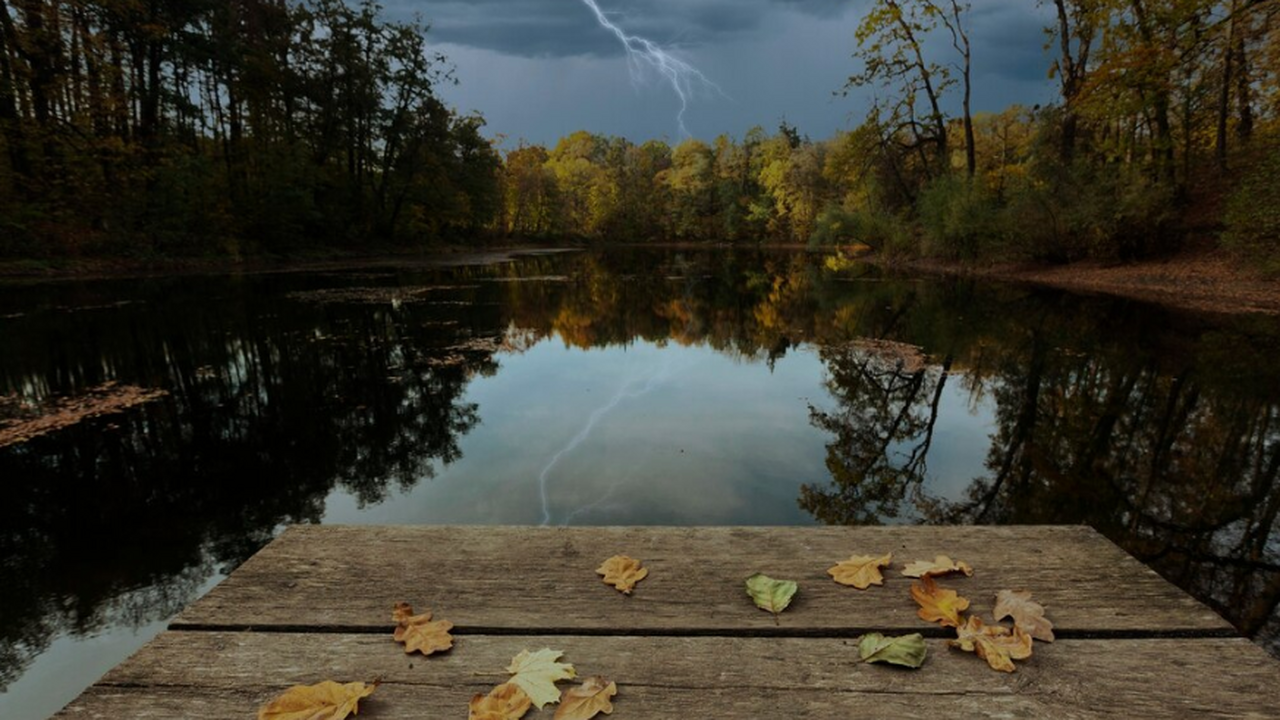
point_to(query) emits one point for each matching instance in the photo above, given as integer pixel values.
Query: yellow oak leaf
(938, 604)
(622, 572)
(418, 633)
(996, 644)
(1027, 615)
(587, 700)
(860, 571)
(323, 701)
(505, 702)
(941, 565)
(537, 673)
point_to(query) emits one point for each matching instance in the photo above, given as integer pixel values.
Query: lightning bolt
(683, 78)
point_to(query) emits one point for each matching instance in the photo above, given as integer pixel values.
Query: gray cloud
(564, 28)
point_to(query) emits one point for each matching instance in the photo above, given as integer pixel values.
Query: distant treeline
(228, 126)
(242, 126)
(1168, 123)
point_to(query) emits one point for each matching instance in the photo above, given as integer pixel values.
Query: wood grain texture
(201, 675)
(492, 580)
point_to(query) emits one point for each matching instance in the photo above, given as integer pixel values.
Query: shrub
(1253, 215)
(960, 219)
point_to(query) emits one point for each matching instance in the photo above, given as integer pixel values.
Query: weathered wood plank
(542, 580)
(201, 675)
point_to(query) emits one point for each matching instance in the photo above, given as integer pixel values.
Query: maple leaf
(536, 674)
(622, 572)
(505, 702)
(996, 644)
(587, 700)
(941, 565)
(938, 604)
(905, 650)
(769, 594)
(327, 700)
(860, 571)
(1027, 615)
(417, 632)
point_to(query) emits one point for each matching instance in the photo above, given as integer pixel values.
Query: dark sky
(540, 69)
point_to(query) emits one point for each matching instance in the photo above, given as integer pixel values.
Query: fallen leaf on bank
(996, 644)
(418, 633)
(587, 700)
(860, 571)
(505, 702)
(622, 572)
(938, 604)
(904, 650)
(769, 594)
(941, 565)
(536, 673)
(323, 701)
(1026, 614)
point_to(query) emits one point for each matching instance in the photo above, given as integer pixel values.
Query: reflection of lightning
(624, 393)
(683, 77)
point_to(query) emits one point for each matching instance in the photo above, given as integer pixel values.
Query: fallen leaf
(505, 702)
(537, 673)
(938, 604)
(905, 650)
(587, 700)
(941, 565)
(996, 644)
(1026, 614)
(323, 701)
(769, 594)
(622, 572)
(860, 571)
(417, 632)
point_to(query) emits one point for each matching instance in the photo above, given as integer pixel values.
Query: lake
(169, 428)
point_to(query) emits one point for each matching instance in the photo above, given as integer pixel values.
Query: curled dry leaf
(769, 594)
(996, 644)
(1027, 615)
(536, 673)
(938, 604)
(505, 702)
(323, 701)
(941, 565)
(904, 650)
(860, 571)
(587, 700)
(418, 633)
(622, 572)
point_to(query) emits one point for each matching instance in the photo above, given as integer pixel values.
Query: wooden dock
(316, 605)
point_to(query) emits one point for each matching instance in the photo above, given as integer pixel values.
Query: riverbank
(1202, 281)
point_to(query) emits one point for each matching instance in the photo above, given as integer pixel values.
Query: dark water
(714, 387)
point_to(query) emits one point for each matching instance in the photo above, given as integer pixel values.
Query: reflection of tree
(120, 521)
(883, 428)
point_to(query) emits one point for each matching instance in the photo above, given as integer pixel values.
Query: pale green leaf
(769, 594)
(904, 650)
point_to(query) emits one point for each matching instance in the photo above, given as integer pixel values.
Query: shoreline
(1200, 281)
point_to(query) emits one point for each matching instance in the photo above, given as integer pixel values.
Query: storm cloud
(539, 69)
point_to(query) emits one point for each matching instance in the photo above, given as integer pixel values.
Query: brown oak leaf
(1026, 614)
(327, 700)
(586, 700)
(941, 565)
(418, 633)
(505, 702)
(938, 604)
(996, 644)
(622, 572)
(860, 571)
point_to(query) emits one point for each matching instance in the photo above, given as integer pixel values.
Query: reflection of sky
(690, 437)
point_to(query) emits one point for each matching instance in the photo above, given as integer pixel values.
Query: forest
(139, 128)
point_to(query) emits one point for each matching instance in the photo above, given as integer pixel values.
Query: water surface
(624, 387)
